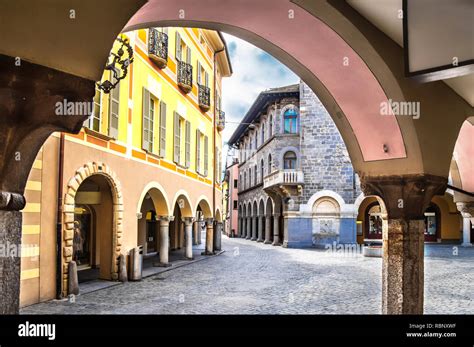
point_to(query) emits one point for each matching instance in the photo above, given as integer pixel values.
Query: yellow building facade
(144, 170)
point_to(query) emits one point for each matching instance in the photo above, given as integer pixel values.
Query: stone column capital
(12, 201)
(188, 220)
(209, 222)
(466, 209)
(407, 196)
(166, 219)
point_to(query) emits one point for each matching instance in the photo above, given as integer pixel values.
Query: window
(162, 129)
(93, 122)
(187, 144)
(200, 140)
(291, 121)
(114, 111)
(206, 155)
(182, 141)
(263, 133)
(200, 73)
(289, 160)
(262, 166)
(235, 183)
(255, 179)
(269, 164)
(245, 180)
(235, 204)
(270, 126)
(148, 119)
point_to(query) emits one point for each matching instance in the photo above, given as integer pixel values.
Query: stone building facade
(297, 186)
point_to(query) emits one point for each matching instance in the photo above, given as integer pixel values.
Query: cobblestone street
(253, 278)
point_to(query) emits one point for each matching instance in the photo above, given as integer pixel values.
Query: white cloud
(254, 71)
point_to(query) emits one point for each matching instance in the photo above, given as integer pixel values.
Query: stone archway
(88, 170)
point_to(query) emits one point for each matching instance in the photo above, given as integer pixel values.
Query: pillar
(254, 228)
(217, 236)
(164, 241)
(196, 225)
(268, 229)
(209, 237)
(10, 239)
(188, 237)
(276, 230)
(239, 227)
(249, 228)
(260, 228)
(28, 116)
(467, 213)
(405, 198)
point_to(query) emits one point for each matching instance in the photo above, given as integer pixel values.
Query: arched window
(262, 166)
(270, 126)
(291, 121)
(263, 133)
(269, 164)
(289, 160)
(244, 185)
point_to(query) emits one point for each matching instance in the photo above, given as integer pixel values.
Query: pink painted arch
(307, 44)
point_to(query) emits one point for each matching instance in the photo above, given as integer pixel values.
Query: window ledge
(97, 134)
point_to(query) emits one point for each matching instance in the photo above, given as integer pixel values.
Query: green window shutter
(114, 111)
(162, 129)
(145, 119)
(188, 144)
(177, 138)
(179, 53)
(198, 72)
(198, 151)
(188, 55)
(206, 155)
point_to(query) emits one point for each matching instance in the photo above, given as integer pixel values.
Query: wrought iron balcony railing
(284, 177)
(220, 120)
(204, 98)
(185, 76)
(158, 47)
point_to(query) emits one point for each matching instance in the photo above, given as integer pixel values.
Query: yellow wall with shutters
(162, 84)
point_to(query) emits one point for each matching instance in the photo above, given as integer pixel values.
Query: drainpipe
(59, 219)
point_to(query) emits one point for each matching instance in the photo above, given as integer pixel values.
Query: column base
(276, 244)
(162, 264)
(466, 244)
(253, 239)
(248, 238)
(266, 242)
(207, 253)
(259, 240)
(192, 258)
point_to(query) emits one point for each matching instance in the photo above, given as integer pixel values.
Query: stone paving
(253, 278)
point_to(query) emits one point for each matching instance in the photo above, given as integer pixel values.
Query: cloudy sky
(254, 71)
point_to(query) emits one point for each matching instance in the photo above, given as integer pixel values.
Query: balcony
(220, 120)
(284, 177)
(204, 98)
(185, 76)
(158, 47)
